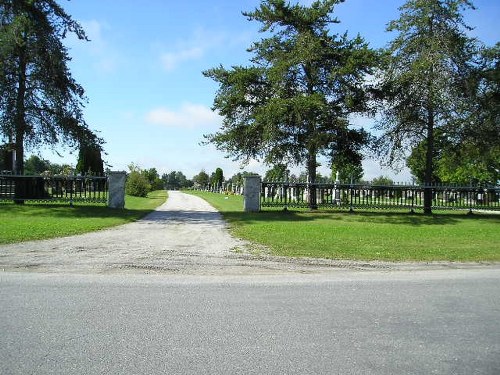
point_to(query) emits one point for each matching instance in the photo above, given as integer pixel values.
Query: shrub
(137, 184)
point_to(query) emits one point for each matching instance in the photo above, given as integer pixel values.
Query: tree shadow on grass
(65, 211)
(378, 217)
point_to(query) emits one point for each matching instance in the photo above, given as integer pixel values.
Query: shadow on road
(190, 217)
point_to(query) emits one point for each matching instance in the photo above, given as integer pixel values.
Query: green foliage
(346, 156)
(416, 162)
(5, 158)
(470, 152)
(34, 165)
(41, 102)
(153, 178)
(176, 180)
(382, 181)
(217, 177)
(474, 151)
(201, 179)
(469, 165)
(278, 173)
(463, 163)
(293, 102)
(90, 161)
(426, 79)
(348, 171)
(137, 184)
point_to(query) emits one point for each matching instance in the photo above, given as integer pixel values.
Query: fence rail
(59, 188)
(351, 196)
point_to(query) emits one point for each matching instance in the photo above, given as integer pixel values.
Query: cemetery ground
(38, 221)
(394, 236)
(386, 236)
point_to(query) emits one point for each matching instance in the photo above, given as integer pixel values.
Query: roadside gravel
(183, 236)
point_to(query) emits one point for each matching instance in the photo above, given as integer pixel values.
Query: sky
(142, 74)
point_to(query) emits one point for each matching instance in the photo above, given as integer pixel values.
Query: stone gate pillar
(116, 183)
(251, 201)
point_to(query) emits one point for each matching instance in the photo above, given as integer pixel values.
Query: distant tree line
(176, 180)
(89, 164)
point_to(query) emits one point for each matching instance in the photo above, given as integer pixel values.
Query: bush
(137, 184)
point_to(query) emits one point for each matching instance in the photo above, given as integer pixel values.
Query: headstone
(116, 196)
(251, 201)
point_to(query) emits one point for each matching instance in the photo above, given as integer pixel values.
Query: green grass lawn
(367, 235)
(41, 221)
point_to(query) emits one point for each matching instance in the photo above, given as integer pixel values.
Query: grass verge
(367, 235)
(34, 221)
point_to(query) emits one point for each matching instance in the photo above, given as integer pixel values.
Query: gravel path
(185, 235)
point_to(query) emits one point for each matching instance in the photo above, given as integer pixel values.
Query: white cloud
(93, 29)
(197, 46)
(373, 169)
(171, 60)
(189, 115)
(97, 49)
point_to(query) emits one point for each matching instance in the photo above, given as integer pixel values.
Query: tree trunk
(19, 170)
(20, 124)
(312, 163)
(20, 116)
(429, 163)
(311, 178)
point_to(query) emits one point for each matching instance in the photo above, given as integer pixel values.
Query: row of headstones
(226, 188)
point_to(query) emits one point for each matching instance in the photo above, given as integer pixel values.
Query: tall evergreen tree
(426, 80)
(90, 161)
(293, 103)
(217, 177)
(40, 101)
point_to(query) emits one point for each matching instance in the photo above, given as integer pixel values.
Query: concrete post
(116, 196)
(251, 201)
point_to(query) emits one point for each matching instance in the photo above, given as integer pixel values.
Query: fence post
(251, 200)
(116, 187)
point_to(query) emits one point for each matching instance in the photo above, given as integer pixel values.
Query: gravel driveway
(184, 235)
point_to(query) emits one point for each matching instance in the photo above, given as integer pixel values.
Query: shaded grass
(36, 221)
(365, 235)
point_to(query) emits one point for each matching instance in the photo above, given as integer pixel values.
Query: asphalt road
(340, 322)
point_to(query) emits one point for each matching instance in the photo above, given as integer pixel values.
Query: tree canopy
(292, 104)
(426, 80)
(202, 179)
(277, 173)
(40, 102)
(176, 180)
(217, 177)
(90, 161)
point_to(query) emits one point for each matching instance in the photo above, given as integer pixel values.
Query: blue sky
(142, 73)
